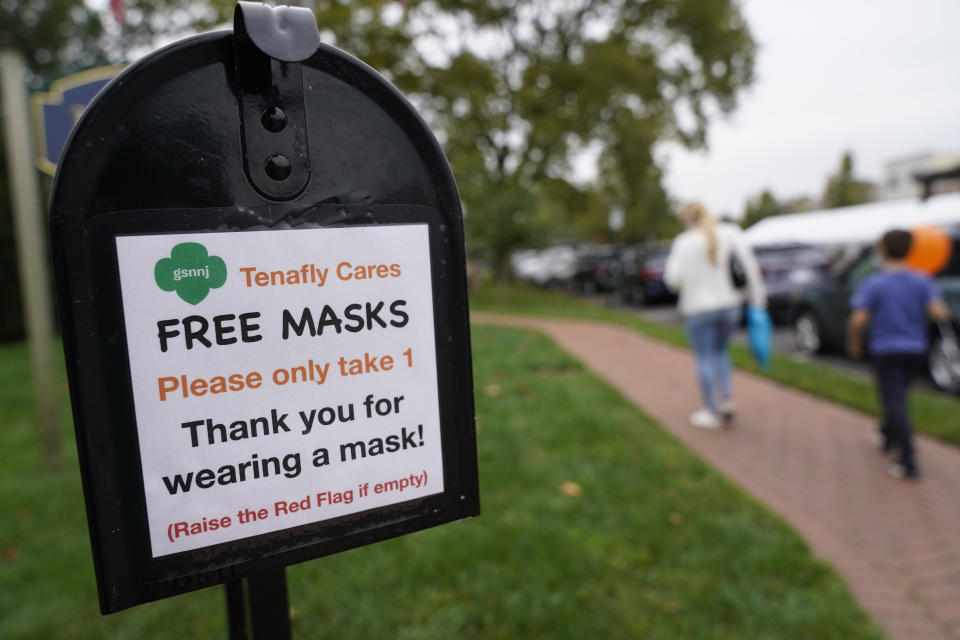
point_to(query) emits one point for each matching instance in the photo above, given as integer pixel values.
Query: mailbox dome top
(188, 127)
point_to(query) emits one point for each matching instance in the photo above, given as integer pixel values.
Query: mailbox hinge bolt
(278, 167)
(274, 119)
(271, 43)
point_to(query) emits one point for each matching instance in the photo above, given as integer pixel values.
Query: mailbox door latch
(270, 45)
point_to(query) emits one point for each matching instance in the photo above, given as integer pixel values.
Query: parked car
(823, 309)
(598, 269)
(642, 280)
(787, 270)
(550, 267)
(525, 264)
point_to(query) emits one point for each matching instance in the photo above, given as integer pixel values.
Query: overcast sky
(877, 77)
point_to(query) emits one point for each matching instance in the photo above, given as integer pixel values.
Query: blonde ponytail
(696, 214)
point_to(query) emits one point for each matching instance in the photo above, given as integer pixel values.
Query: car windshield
(863, 267)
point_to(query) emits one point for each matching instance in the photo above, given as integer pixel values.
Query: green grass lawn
(595, 524)
(934, 414)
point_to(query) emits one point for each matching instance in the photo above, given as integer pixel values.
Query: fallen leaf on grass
(571, 489)
(491, 390)
(675, 518)
(11, 552)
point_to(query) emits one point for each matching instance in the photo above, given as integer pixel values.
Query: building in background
(920, 176)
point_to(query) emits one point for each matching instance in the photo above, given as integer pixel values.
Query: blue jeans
(708, 334)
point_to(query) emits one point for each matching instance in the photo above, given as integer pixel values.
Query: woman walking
(699, 269)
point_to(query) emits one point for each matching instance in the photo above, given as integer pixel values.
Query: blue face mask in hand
(759, 335)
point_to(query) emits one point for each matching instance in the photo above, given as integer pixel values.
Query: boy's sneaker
(705, 419)
(900, 470)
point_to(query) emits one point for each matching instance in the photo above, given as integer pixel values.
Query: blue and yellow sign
(55, 112)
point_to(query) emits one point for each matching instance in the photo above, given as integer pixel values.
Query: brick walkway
(896, 543)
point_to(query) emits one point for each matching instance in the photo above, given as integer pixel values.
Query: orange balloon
(930, 249)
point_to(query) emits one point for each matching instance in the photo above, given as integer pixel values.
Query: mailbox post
(34, 273)
(258, 249)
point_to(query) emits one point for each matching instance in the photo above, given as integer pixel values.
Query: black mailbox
(258, 247)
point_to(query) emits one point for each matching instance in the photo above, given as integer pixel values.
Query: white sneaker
(705, 419)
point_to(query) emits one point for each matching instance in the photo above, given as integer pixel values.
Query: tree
(800, 204)
(760, 207)
(53, 35)
(59, 37)
(843, 189)
(766, 205)
(531, 84)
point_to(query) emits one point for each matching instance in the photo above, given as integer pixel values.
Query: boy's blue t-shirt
(897, 302)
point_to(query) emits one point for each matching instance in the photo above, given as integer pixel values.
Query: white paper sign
(280, 378)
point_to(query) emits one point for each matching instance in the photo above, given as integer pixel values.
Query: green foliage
(843, 189)
(763, 206)
(595, 524)
(800, 204)
(594, 74)
(54, 36)
(59, 37)
(514, 210)
(766, 205)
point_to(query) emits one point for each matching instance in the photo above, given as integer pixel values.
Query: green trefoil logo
(190, 271)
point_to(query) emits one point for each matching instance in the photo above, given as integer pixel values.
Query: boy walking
(896, 302)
